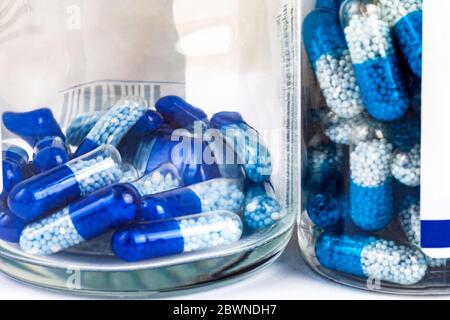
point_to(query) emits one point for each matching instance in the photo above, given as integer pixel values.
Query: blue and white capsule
(330, 59)
(57, 188)
(371, 258)
(14, 162)
(112, 127)
(177, 236)
(213, 195)
(80, 127)
(405, 19)
(406, 167)
(247, 143)
(371, 185)
(81, 221)
(96, 214)
(377, 68)
(261, 207)
(41, 131)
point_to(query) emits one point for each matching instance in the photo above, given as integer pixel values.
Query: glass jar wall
(149, 145)
(361, 142)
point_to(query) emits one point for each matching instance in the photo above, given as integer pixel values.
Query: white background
(288, 278)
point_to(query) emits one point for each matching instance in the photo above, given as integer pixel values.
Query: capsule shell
(371, 258)
(177, 236)
(334, 5)
(180, 114)
(164, 178)
(57, 188)
(376, 66)
(261, 207)
(14, 162)
(11, 226)
(185, 152)
(246, 143)
(50, 153)
(33, 126)
(213, 195)
(112, 127)
(80, 126)
(84, 220)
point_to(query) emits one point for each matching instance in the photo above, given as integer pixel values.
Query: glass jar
(172, 122)
(360, 222)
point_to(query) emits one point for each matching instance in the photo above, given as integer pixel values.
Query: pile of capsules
(363, 145)
(139, 174)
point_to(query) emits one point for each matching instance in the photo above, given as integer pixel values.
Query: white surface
(288, 278)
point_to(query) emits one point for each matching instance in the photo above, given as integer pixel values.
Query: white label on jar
(435, 189)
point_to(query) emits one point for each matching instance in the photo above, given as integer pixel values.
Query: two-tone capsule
(405, 19)
(375, 63)
(261, 207)
(371, 258)
(96, 214)
(14, 162)
(41, 131)
(58, 187)
(212, 195)
(330, 59)
(177, 236)
(247, 143)
(112, 127)
(371, 186)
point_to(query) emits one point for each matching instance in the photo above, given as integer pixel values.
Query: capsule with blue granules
(247, 143)
(212, 195)
(177, 236)
(58, 187)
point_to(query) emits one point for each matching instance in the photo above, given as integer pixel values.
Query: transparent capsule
(41, 131)
(261, 207)
(371, 185)
(165, 177)
(213, 195)
(180, 114)
(405, 19)
(247, 144)
(65, 184)
(177, 236)
(350, 131)
(371, 258)
(330, 59)
(185, 151)
(375, 63)
(84, 220)
(96, 214)
(405, 167)
(112, 127)
(14, 162)
(80, 127)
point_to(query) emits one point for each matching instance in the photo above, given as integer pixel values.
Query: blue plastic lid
(323, 34)
(226, 118)
(141, 242)
(178, 113)
(33, 126)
